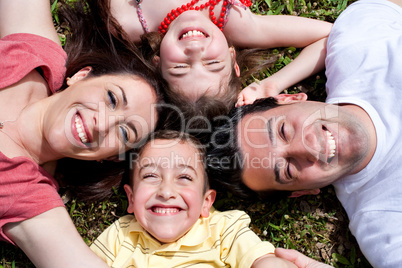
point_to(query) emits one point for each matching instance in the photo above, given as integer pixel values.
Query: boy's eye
(213, 62)
(185, 177)
(112, 99)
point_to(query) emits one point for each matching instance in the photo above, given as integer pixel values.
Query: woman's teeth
(80, 130)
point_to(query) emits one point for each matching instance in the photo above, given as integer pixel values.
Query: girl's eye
(124, 133)
(180, 66)
(112, 99)
(150, 176)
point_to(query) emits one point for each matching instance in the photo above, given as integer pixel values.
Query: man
(351, 141)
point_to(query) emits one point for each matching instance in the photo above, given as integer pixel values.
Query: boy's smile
(168, 194)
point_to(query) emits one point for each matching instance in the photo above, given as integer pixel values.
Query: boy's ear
(129, 193)
(290, 98)
(209, 199)
(156, 60)
(305, 192)
(79, 75)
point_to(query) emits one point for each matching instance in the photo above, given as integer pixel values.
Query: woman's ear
(79, 75)
(129, 192)
(209, 199)
(290, 98)
(156, 60)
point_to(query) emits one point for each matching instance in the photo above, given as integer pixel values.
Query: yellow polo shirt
(221, 240)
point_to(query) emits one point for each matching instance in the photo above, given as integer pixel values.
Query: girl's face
(195, 58)
(99, 117)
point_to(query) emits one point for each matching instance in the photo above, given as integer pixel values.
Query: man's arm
(51, 240)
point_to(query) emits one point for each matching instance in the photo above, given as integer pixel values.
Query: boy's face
(168, 195)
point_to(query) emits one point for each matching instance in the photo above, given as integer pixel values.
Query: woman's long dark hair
(90, 43)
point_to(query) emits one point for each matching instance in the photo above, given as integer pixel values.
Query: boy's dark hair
(225, 160)
(167, 135)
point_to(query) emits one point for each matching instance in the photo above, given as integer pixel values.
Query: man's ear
(156, 60)
(290, 98)
(129, 192)
(305, 192)
(209, 199)
(79, 75)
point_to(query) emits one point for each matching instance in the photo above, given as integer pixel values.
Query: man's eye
(283, 134)
(112, 99)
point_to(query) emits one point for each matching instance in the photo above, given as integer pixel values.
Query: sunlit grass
(314, 225)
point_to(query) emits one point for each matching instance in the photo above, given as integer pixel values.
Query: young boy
(174, 224)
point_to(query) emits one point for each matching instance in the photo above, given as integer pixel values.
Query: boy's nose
(166, 191)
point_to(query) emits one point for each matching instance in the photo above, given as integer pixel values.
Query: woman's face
(195, 57)
(99, 117)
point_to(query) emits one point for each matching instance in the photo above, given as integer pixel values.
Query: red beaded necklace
(174, 13)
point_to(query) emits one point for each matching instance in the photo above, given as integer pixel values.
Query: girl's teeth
(192, 33)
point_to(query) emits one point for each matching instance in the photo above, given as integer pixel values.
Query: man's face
(304, 145)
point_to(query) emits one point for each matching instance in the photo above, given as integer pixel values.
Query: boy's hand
(257, 90)
(299, 259)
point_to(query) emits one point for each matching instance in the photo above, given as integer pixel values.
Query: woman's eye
(112, 99)
(124, 133)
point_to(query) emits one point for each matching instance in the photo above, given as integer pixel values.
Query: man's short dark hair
(225, 160)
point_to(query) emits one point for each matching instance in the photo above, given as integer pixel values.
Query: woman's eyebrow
(123, 93)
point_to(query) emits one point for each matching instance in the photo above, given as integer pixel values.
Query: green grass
(314, 225)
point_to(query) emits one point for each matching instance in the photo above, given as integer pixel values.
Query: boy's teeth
(165, 210)
(80, 130)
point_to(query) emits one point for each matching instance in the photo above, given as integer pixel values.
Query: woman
(106, 109)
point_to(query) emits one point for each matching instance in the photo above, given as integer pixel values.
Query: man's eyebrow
(271, 135)
(277, 176)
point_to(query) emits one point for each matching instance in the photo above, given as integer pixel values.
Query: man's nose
(305, 151)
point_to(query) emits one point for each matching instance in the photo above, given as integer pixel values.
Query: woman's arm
(27, 16)
(51, 240)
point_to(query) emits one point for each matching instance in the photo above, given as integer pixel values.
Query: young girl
(196, 55)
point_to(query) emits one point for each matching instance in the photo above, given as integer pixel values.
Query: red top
(26, 189)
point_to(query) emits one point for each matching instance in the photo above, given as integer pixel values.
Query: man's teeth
(332, 145)
(192, 33)
(160, 210)
(80, 130)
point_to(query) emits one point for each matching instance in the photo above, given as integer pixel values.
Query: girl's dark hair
(90, 43)
(201, 113)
